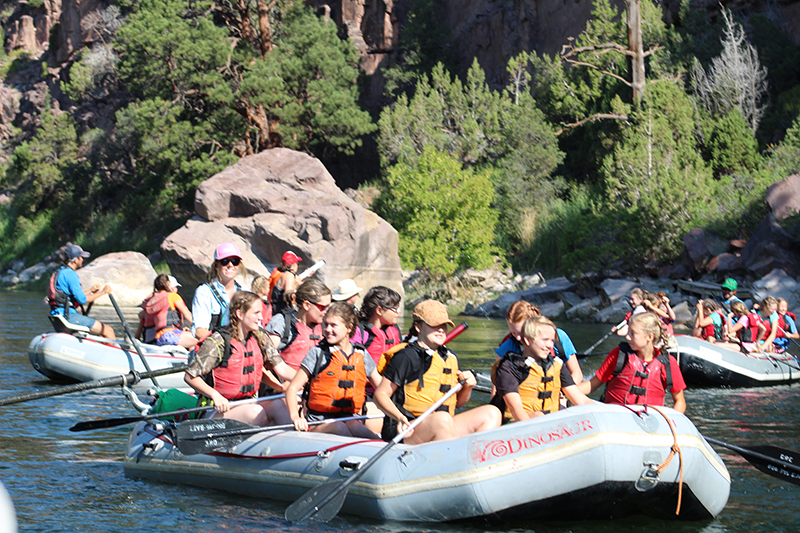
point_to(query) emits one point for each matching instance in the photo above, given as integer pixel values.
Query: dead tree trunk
(636, 48)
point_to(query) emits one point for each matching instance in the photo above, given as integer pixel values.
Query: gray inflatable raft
(84, 357)
(586, 462)
(707, 364)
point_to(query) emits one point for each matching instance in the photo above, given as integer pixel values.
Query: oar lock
(649, 476)
(132, 397)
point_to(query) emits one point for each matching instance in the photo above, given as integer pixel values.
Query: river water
(63, 482)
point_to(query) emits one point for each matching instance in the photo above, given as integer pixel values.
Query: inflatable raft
(84, 357)
(709, 365)
(588, 462)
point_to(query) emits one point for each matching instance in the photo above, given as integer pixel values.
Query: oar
(310, 270)
(777, 462)
(323, 502)
(114, 422)
(210, 434)
(458, 330)
(132, 338)
(586, 352)
(125, 379)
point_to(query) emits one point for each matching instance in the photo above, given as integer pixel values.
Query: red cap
(290, 258)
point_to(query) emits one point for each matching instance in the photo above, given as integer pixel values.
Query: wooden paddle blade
(316, 505)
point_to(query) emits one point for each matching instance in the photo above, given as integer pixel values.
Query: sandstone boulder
(281, 200)
(618, 289)
(784, 197)
(130, 275)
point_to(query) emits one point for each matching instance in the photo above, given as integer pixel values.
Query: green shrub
(442, 212)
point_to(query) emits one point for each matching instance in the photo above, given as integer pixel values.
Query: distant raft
(84, 357)
(587, 462)
(706, 364)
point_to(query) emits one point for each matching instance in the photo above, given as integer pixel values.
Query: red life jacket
(266, 312)
(392, 334)
(158, 312)
(768, 325)
(295, 350)
(782, 326)
(239, 373)
(636, 382)
(339, 387)
(714, 331)
(374, 339)
(57, 298)
(749, 333)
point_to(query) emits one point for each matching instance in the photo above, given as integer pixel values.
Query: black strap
(289, 325)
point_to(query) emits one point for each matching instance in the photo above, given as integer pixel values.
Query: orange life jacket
(339, 387)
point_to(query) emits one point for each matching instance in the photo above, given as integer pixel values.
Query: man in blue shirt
(69, 293)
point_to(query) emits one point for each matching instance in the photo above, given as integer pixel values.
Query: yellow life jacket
(540, 390)
(435, 382)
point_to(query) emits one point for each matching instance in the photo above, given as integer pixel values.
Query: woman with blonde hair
(637, 372)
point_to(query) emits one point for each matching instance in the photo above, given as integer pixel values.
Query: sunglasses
(230, 261)
(394, 308)
(322, 308)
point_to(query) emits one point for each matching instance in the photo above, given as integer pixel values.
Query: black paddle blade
(319, 504)
(786, 466)
(207, 435)
(107, 423)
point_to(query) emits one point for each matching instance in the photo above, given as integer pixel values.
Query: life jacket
(713, 330)
(293, 348)
(158, 313)
(438, 374)
(631, 379)
(216, 319)
(273, 279)
(266, 312)
(782, 327)
(539, 390)
(374, 339)
(238, 374)
(340, 386)
(58, 298)
(767, 325)
(749, 333)
(392, 334)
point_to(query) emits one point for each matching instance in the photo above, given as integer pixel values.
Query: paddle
(777, 462)
(458, 330)
(125, 379)
(310, 270)
(587, 352)
(132, 338)
(210, 434)
(323, 502)
(114, 422)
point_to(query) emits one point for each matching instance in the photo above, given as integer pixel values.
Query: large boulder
(281, 200)
(784, 197)
(129, 274)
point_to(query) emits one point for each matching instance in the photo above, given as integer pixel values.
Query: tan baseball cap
(432, 313)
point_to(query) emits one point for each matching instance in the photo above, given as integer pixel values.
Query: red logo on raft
(483, 451)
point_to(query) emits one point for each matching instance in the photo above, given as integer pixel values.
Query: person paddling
(637, 372)
(65, 293)
(211, 299)
(417, 374)
(231, 366)
(334, 375)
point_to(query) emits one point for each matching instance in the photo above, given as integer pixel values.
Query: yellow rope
(675, 449)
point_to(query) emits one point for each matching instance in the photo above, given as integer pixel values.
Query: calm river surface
(63, 481)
